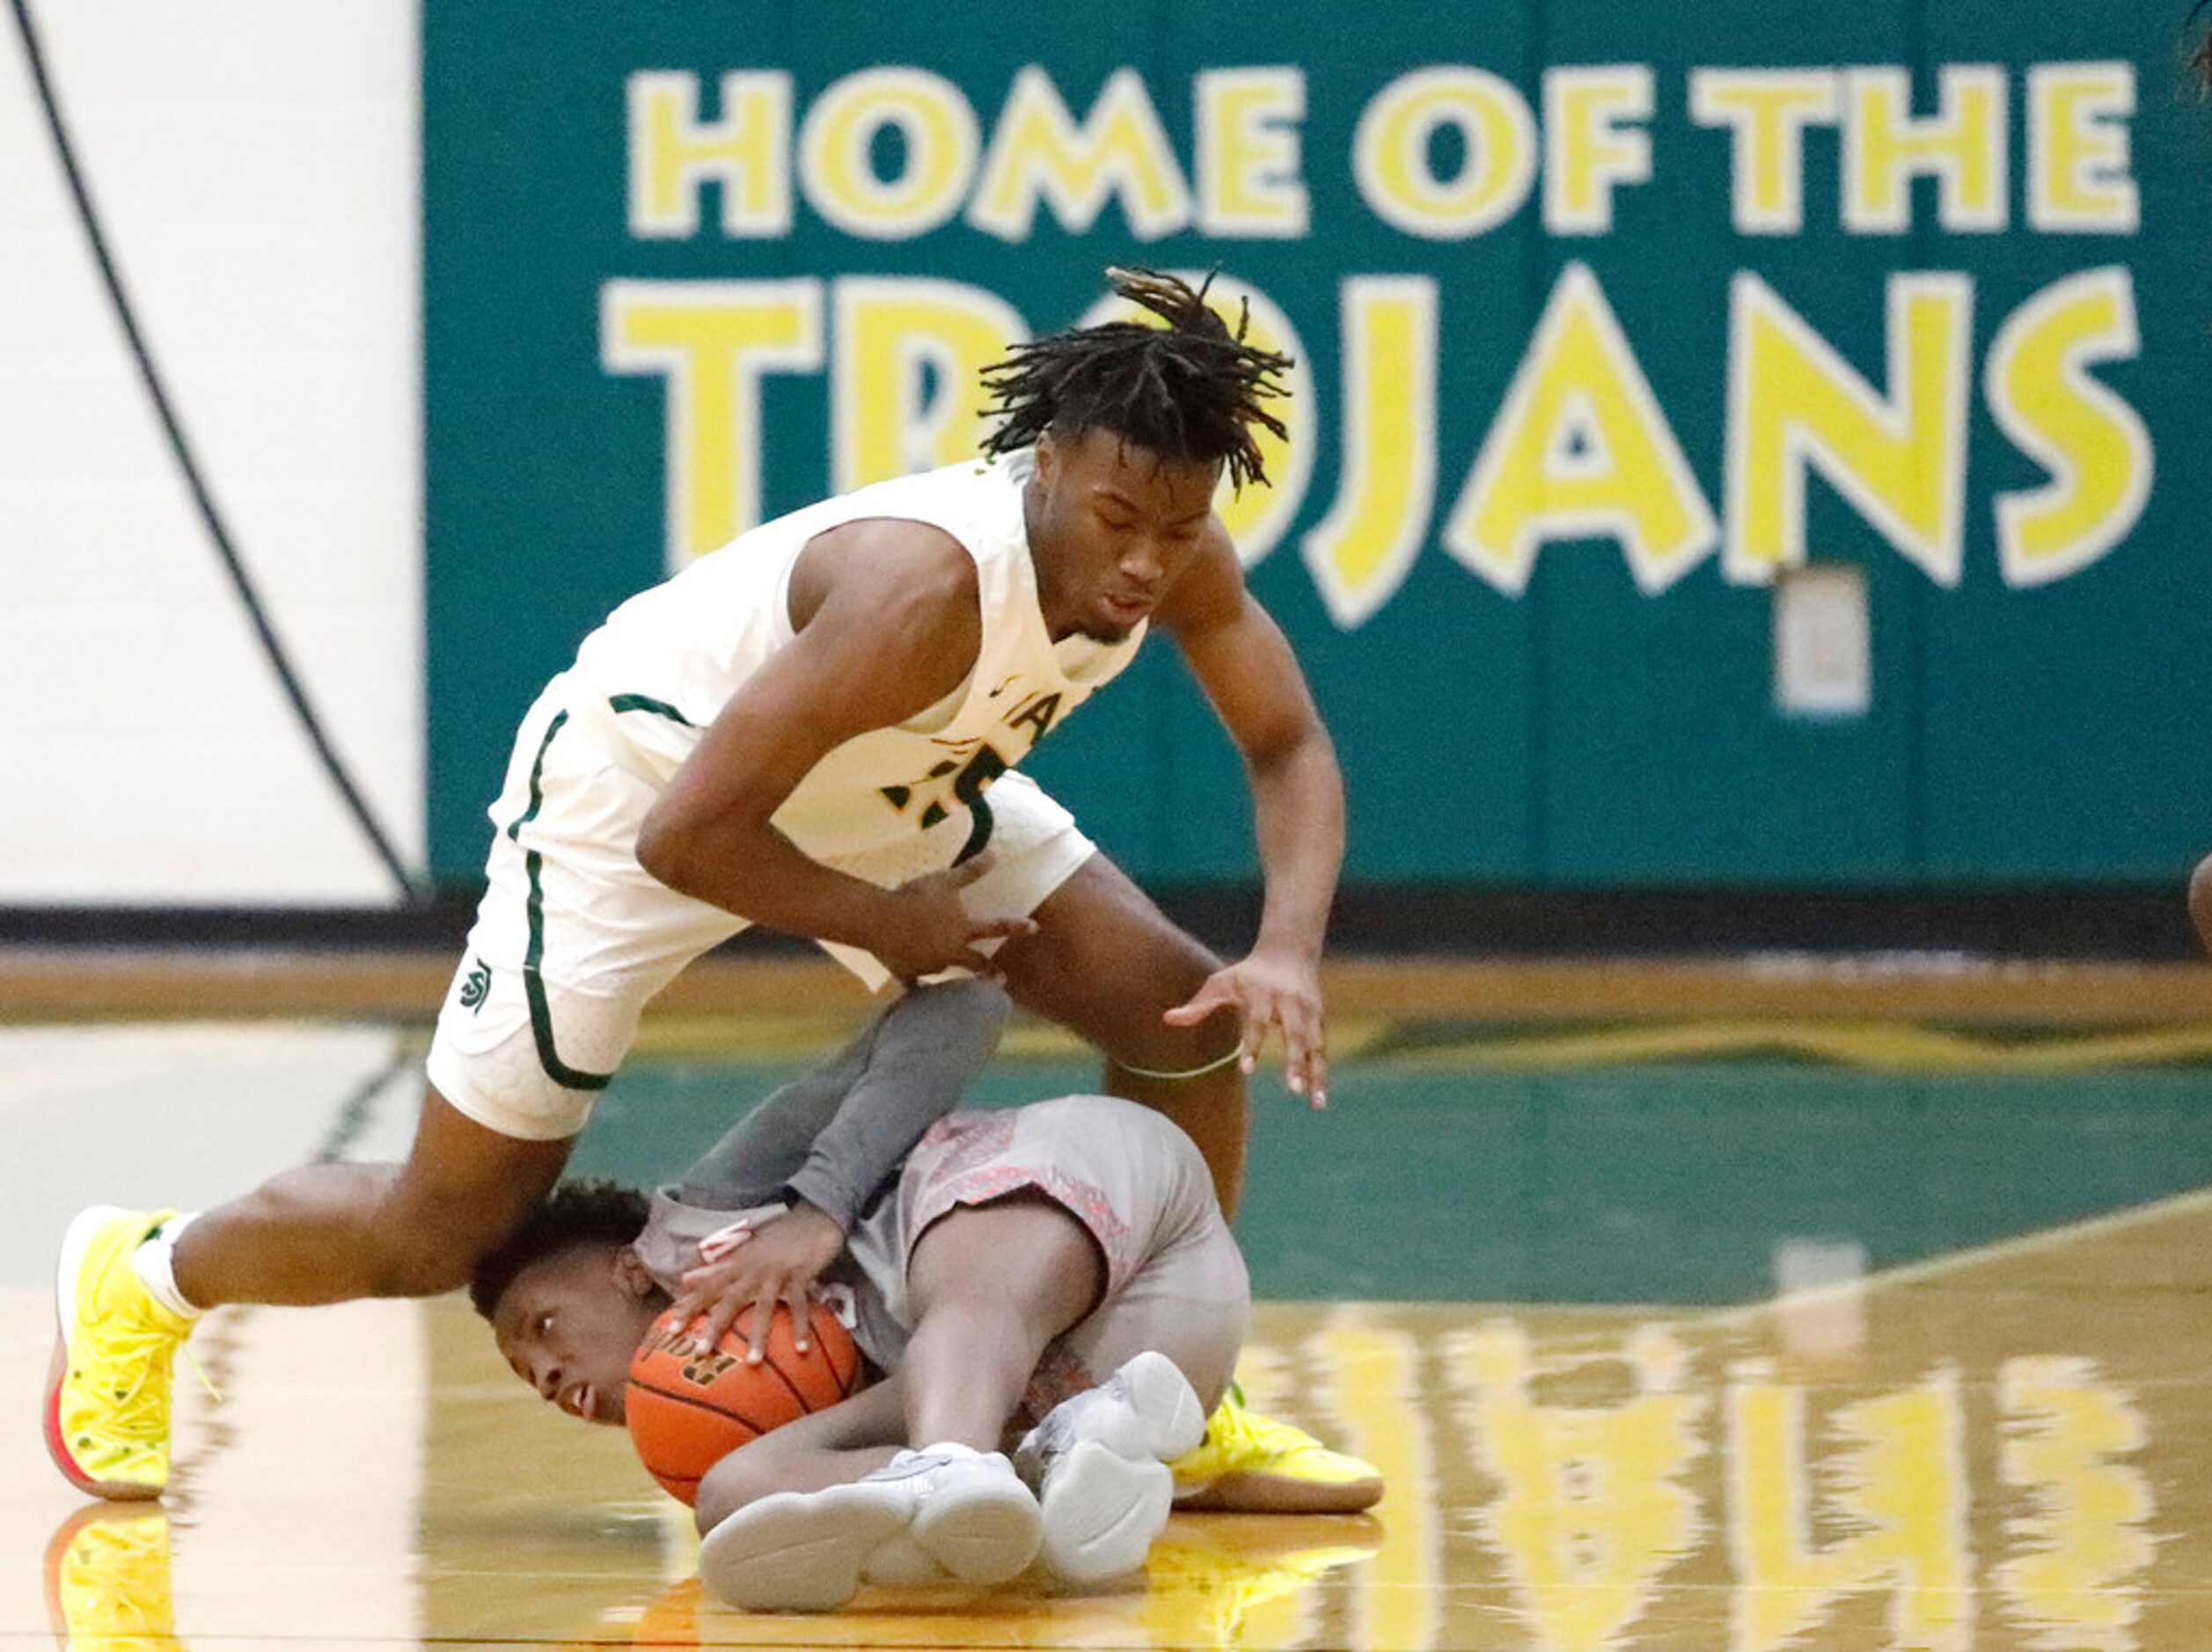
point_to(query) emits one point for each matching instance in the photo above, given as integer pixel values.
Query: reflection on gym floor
(1997, 1447)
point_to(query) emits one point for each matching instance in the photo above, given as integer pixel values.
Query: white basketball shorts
(573, 936)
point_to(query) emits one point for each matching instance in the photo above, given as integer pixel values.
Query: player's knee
(1143, 1040)
(1154, 1047)
(746, 1475)
(2200, 901)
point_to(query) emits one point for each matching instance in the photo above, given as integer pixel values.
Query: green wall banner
(1730, 445)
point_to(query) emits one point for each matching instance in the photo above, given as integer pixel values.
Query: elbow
(1304, 750)
(663, 849)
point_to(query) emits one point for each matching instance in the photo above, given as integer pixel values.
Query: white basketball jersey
(665, 663)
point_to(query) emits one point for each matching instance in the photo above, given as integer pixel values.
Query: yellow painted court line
(1884, 1045)
(1928, 1267)
(778, 1039)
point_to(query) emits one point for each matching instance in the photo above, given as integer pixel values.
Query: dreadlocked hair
(590, 1210)
(1192, 391)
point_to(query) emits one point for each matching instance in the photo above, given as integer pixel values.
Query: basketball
(686, 1412)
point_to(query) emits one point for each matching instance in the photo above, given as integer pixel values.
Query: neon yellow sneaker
(107, 1390)
(107, 1580)
(1251, 1462)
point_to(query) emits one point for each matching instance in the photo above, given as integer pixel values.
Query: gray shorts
(1174, 1279)
(573, 937)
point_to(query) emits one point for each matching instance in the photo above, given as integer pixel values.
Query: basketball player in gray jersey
(1063, 1265)
(811, 729)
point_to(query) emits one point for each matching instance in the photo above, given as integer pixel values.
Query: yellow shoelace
(137, 1407)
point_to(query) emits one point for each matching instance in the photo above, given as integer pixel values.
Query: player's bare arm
(1243, 662)
(887, 624)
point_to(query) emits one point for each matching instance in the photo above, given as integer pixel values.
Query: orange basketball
(687, 1412)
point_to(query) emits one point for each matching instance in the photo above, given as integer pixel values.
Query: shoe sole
(1240, 1493)
(792, 1552)
(1103, 1512)
(983, 1535)
(75, 1242)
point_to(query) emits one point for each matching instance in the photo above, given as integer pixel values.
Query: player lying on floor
(1019, 1257)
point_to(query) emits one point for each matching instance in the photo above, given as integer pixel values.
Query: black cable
(271, 646)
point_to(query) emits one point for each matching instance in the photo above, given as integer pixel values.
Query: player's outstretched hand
(1275, 995)
(929, 928)
(756, 1266)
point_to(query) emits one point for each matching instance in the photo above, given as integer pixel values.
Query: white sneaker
(973, 1514)
(958, 1509)
(1099, 1463)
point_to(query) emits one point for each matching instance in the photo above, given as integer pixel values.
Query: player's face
(1112, 527)
(568, 1324)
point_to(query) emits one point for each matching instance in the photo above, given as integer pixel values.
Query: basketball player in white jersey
(810, 730)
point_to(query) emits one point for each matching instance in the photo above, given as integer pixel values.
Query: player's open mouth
(1124, 611)
(578, 1399)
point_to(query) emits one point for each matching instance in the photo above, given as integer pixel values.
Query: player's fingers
(1252, 1046)
(671, 1328)
(720, 1318)
(1317, 1077)
(795, 1297)
(1001, 928)
(720, 1243)
(695, 1331)
(968, 871)
(1263, 1020)
(763, 1315)
(1216, 994)
(1302, 1061)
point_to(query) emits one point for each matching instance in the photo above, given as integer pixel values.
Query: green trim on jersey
(533, 983)
(646, 703)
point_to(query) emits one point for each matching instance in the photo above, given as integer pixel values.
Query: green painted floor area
(1643, 1182)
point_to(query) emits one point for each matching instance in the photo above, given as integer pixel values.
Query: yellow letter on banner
(1593, 142)
(837, 147)
(905, 356)
(1580, 448)
(1390, 152)
(1794, 402)
(1361, 552)
(1257, 518)
(2095, 445)
(2078, 178)
(2077, 1575)
(1591, 1505)
(1964, 147)
(1038, 153)
(1766, 111)
(672, 152)
(1247, 162)
(1898, 1482)
(714, 340)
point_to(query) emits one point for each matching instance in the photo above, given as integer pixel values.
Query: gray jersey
(836, 1137)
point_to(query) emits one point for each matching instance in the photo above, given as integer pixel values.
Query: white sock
(154, 1263)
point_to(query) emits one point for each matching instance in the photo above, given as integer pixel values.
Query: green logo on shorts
(476, 988)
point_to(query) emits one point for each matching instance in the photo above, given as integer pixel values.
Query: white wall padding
(255, 162)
